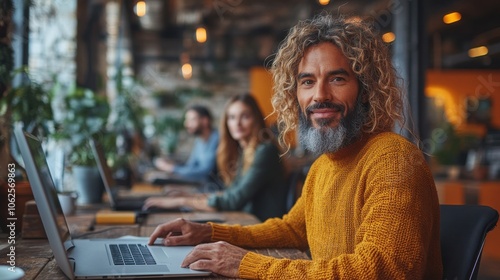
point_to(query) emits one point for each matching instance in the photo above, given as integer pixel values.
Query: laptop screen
(45, 194)
(104, 170)
(47, 182)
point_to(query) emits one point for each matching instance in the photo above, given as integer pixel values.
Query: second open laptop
(93, 258)
(117, 201)
(120, 199)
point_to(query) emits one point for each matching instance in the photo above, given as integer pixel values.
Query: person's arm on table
(164, 165)
(201, 160)
(194, 201)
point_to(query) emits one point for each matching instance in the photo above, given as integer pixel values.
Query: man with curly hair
(369, 207)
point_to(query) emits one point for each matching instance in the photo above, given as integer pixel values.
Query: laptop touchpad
(159, 254)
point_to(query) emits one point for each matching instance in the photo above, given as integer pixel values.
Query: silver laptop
(94, 258)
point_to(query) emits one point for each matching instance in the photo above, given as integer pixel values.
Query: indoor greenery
(6, 52)
(125, 125)
(168, 128)
(127, 111)
(6, 66)
(451, 151)
(30, 104)
(86, 114)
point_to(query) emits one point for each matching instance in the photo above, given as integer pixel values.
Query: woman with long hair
(249, 164)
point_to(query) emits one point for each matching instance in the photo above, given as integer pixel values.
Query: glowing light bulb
(478, 51)
(140, 9)
(201, 35)
(452, 17)
(187, 71)
(389, 37)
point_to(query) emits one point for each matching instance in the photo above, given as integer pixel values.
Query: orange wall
(261, 87)
(452, 87)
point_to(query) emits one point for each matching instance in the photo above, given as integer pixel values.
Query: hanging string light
(389, 37)
(187, 71)
(201, 35)
(452, 17)
(478, 51)
(140, 8)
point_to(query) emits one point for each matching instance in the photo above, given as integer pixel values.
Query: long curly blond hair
(369, 59)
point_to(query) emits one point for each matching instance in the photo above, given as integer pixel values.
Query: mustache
(323, 105)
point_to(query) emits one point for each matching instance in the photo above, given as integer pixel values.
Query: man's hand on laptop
(219, 257)
(182, 232)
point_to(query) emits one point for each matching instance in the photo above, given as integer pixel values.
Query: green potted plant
(9, 113)
(450, 154)
(28, 104)
(126, 123)
(6, 51)
(86, 114)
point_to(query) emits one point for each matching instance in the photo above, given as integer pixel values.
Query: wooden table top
(35, 257)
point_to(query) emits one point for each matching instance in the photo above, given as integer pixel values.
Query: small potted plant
(85, 116)
(451, 153)
(28, 104)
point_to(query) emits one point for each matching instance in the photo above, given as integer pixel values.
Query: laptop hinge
(73, 264)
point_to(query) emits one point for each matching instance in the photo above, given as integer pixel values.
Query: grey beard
(331, 139)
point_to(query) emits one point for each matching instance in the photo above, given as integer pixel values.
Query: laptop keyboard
(131, 254)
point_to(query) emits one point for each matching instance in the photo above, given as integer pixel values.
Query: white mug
(8, 272)
(68, 202)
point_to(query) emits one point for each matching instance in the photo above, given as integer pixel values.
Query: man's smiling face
(332, 114)
(327, 88)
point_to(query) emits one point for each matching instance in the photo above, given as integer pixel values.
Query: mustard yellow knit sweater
(368, 211)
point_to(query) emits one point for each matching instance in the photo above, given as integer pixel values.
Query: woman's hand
(164, 165)
(164, 202)
(219, 257)
(182, 232)
(196, 202)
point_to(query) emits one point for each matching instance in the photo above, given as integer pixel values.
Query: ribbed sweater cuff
(220, 232)
(249, 266)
